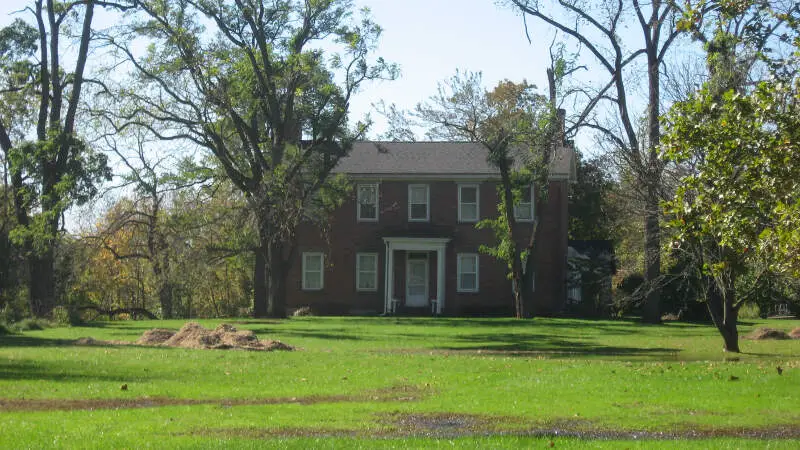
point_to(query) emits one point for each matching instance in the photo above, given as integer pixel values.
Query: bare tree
(595, 27)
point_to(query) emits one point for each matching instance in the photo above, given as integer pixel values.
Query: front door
(417, 280)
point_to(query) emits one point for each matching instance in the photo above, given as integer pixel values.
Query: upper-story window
(468, 207)
(418, 203)
(367, 202)
(523, 211)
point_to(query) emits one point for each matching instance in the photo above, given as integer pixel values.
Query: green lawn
(400, 383)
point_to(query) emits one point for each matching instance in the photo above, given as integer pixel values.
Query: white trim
(321, 270)
(427, 202)
(532, 204)
(477, 202)
(415, 244)
(359, 269)
(459, 273)
(358, 202)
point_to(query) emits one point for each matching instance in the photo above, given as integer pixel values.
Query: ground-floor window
(367, 271)
(313, 273)
(467, 272)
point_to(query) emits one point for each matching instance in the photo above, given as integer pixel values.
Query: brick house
(405, 241)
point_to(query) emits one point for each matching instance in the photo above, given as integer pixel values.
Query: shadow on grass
(552, 346)
(342, 336)
(64, 371)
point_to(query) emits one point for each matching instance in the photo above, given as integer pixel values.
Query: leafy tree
(591, 214)
(50, 167)
(243, 79)
(515, 126)
(737, 213)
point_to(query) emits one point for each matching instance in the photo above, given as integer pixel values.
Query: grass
(404, 382)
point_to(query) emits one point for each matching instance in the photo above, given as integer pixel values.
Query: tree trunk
(651, 312)
(652, 175)
(528, 278)
(41, 283)
(260, 282)
(723, 314)
(165, 299)
(277, 271)
(41, 263)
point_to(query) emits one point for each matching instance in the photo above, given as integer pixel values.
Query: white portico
(416, 271)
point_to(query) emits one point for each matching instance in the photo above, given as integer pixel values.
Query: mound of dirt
(194, 335)
(760, 334)
(156, 336)
(795, 334)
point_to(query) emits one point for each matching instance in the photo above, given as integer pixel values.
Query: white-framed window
(467, 272)
(367, 197)
(313, 271)
(367, 271)
(523, 211)
(468, 204)
(419, 197)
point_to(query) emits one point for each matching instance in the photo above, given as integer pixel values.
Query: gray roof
(436, 158)
(450, 158)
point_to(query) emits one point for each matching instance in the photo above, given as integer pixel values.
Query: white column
(440, 279)
(386, 278)
(390, 275)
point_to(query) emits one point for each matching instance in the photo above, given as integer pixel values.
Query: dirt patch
(448, 424)
(194, 335)
(760, 334)
(454, 425)
(92, 341)
(395, 394)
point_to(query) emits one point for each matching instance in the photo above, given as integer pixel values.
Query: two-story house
(406, 241)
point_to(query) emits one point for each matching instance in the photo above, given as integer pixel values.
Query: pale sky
(430, 39)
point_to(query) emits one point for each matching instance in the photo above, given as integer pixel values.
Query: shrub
(4, 329)
(749, 311)
(31, 324)
(66, 316)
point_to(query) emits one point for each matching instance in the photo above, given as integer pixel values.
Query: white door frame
(419, 244)
(425, 300)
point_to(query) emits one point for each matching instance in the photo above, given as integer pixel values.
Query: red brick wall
(551, 251)
(349, 236)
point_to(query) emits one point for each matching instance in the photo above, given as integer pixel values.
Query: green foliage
(50, 192)
(750, 311)
(592, 214)
(505, 248)
(743, 193)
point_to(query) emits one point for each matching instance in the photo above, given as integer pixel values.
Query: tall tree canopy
(50, 167)
(265, 86)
